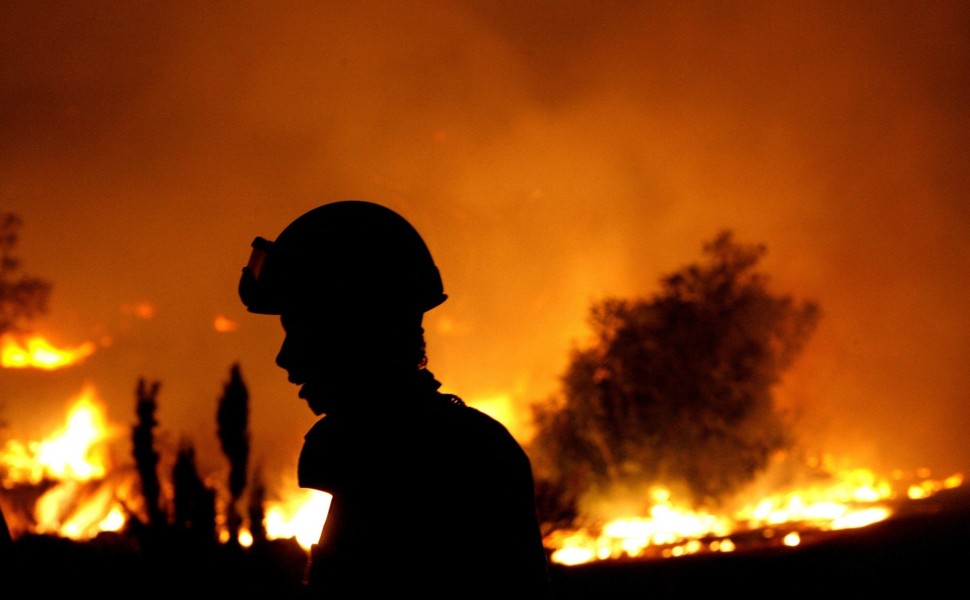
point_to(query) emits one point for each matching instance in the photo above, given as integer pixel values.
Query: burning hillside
(90, 479)
(619, 428)
(72, 484)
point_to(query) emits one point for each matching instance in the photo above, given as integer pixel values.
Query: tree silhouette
(257, 510)
(677, 388)
(144, 453)
(195, 509)
(22, 297)
(233, 425)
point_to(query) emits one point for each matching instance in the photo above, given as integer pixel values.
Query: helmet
(346, 253)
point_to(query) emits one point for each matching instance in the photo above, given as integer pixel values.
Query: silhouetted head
(350, 254)
(351, 281)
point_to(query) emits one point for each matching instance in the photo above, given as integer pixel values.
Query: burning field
(103, 506)
(78, 521)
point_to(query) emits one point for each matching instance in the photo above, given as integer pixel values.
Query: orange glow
(223, 324)
(503, 408)
(927, 488)
(36, 352)
(498, 407)
(142, 310)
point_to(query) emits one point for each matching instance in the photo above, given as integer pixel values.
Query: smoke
(551, 153)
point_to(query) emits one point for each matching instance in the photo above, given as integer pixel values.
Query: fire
(82, 494)
(79, 502)
(73, 453)
(36, 352)
(631, 536)
(927, 488)
(856, 498)
(301, 516)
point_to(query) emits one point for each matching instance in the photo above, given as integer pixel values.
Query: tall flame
(72, 453)
(74, 460)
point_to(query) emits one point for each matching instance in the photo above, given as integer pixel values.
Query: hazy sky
(551, 153)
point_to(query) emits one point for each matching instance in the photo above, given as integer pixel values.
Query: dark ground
(924, 548)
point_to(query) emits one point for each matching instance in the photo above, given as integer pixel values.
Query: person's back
(429, 496)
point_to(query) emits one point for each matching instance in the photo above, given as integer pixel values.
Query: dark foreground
(924, 548)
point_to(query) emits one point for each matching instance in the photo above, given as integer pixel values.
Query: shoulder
(481, 436)
(470, 419)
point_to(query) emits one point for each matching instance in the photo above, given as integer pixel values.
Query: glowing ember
(142, 310)
(928, 487)
(36, 352)
(224, 325)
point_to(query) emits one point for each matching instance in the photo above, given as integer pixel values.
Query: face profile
(328, 353)
(308, 364)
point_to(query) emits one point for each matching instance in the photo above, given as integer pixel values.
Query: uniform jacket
(430, 496)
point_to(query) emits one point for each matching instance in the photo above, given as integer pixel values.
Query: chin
(316, 404)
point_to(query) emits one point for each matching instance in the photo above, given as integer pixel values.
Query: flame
(82, 500)
(857, 498)
(36, 352)
(792, 539)
(927, 488)
(300, 516)
(74, 453)
(84, 496)
(632, 536)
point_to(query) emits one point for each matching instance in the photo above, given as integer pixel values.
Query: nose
(294, 359)
(284, 356)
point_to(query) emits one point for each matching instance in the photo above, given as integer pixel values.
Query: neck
(381, 389)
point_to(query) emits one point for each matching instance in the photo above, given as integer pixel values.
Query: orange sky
(551, 153)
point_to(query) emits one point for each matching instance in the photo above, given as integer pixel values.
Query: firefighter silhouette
(429, 496)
